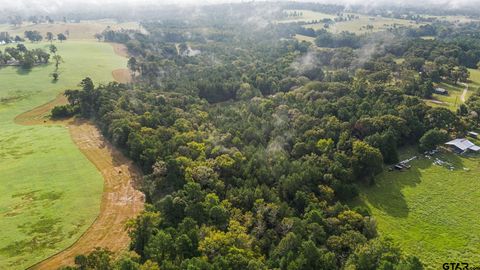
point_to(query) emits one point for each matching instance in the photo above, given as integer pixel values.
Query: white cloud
(53, 5)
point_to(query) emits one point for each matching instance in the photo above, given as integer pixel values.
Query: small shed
(473, 134)
(441, 91)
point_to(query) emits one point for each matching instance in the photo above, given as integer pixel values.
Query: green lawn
(307, 16)
(357, 25)
(474, 83)
(50, 193)
(453, 100)
(305, 38)
(430, 211)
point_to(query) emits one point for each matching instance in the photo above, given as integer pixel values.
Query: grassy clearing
(430, 211)
(452, 19)
(451, 101)
(81, 31)
(474, 80)
(307, 16)
(305, 38)
(50, 192)
(357, 25)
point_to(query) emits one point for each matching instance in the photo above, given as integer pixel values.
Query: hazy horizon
(49, 6)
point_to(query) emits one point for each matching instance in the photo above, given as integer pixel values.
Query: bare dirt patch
(121, 201)
(122, 75)
(120, 49)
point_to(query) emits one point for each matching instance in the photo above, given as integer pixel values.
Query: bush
(64, 111)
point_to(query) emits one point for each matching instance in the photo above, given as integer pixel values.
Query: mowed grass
(431, 211)
(451, 101)
(357, 25)
(49, 192)
(305, 38)
(474, 80)
(306, 16)
(80, 31)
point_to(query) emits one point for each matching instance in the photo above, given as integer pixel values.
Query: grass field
(356, 25)
(430, 211)
(451, 101)
(307, 16)
(474, 79)
(79, 31)
(305, 38)
(50, 193)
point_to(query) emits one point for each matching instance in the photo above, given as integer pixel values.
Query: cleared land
(457, 94)
(120, 200)
(454, 98)
(80, 31)
(357, 25)
(430, 210)
(51, 192)
(305, 38)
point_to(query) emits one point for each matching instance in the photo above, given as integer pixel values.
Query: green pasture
(474, 80)
(307, 16)
(357, 25)
(453, 100)
(430, 210)
(305, 38)
(49, 192)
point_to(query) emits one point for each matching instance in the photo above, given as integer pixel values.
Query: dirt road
(121, 200)
(464, 93)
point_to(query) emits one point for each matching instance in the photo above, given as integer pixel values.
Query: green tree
(367, 161)
(50, 36)
(432, 138)
(61, 37)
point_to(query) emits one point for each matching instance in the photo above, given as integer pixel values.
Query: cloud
(49, 6)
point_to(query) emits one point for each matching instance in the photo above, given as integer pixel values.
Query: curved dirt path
(121, 200)
(121, 75)
(464, 93)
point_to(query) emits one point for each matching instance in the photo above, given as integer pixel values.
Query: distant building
(462, 146)
(441, 91)
(473, 134)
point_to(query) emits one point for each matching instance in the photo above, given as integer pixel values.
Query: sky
(52, 5)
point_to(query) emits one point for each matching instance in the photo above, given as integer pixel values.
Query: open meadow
(82, 30)
(431, 210)
(457, 94)
(357, 25)
(51, 192)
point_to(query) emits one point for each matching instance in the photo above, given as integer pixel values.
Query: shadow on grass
(386, 194)
(23, 71)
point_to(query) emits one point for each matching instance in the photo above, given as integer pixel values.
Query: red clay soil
(122, 75)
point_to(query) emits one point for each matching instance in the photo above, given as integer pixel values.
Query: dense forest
(252, 142)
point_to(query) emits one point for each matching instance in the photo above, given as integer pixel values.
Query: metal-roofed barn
(462, 146)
